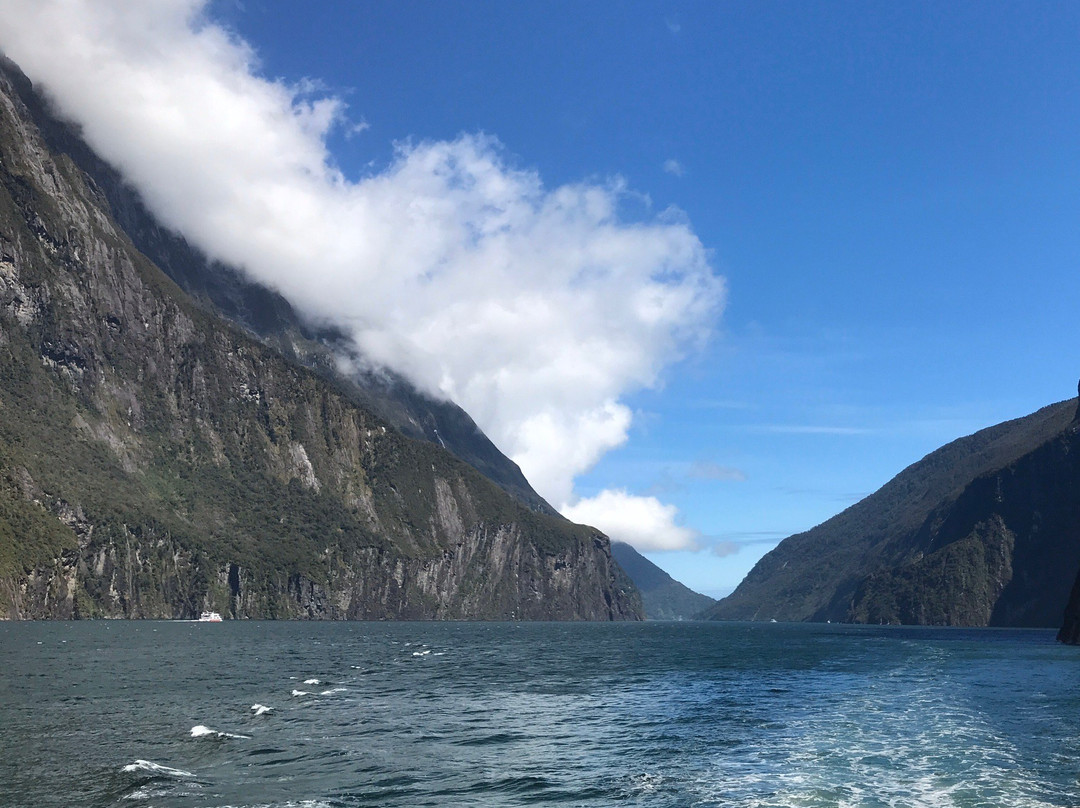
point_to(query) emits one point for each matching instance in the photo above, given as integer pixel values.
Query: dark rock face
(156, 461)
(984, 531)
(664, 598)
(1070, 628)
(269, 317)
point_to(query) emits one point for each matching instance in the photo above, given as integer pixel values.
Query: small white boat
(209, 617)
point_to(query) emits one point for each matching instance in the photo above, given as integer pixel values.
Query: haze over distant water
(179, 715)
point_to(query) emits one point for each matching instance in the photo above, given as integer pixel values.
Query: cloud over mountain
(644, 522)
(534, 308)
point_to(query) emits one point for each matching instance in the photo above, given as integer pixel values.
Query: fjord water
(502, 714)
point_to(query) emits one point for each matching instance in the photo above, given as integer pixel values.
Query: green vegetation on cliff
(155, 460)
(265, 314)
(663, 597)
(984, 531)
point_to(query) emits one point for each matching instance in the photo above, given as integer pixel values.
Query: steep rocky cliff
(1070, 627)
(984, 531)
(155, 461)
(268, 316)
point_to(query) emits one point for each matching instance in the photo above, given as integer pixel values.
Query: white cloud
(673, 167)
(644, 522)
(534, 308)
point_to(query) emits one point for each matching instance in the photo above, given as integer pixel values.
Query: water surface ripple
(320, 715)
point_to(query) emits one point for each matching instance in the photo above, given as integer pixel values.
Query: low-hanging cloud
(534, 308)
(644, 522)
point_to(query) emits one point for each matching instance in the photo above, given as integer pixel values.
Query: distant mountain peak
(664, 598)
(983, 531)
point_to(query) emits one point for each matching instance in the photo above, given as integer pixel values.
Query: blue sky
(890, 190)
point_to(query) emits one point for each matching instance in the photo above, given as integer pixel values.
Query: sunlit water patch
(183, 715)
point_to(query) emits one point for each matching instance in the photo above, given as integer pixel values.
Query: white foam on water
(202, 731)
(333, 690)
(312, 682)
(645, 783)
(420, 653)
(155, 768)
(908, 741)
(301, 692)
(289, 804)
(261, 709)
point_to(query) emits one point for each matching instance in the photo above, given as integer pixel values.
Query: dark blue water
(161, 714)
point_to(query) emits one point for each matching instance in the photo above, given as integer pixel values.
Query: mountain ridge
(962, 513)
(156, 460)
(663, 597)
(266, 314)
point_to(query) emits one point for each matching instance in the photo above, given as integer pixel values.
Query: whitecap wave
(312, 682)
(261, 709)
(202, 731)
(155, 768)
(301, 692)
(645, 783)
(333, 690)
